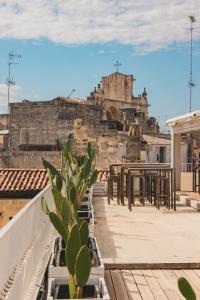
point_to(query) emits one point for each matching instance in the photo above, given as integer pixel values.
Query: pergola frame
(183, 124)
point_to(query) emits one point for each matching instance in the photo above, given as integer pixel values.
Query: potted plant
(57, 265)
(78, 261)
(69, 186)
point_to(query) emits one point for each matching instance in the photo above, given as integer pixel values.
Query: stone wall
(39, 129)
(118, 86)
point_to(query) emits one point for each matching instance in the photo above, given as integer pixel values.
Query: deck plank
(118, 283)
(173, 280)
(131, 287)
(109, 285)
(165, 285)
(154, 285)
(142, 285)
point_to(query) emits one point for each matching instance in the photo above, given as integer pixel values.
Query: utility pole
(191, 83)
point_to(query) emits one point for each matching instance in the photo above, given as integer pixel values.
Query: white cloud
(14, 96)
(148, 25)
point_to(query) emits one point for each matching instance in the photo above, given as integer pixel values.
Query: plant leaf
(58, 198)
(94, 177)
(83, 266)
(72, 249)
(84, 232)
(87, 169)
(44, 206)
(73, 194)
(186, 289)
(59, 226)
(66, 212)
(52, 169)
(58, 182)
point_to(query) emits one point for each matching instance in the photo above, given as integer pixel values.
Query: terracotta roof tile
(23, 180)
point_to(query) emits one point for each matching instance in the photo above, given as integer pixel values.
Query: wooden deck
(149, 284)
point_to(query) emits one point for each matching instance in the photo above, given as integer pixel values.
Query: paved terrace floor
(146, 235)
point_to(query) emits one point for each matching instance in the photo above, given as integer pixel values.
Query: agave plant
(186, 289)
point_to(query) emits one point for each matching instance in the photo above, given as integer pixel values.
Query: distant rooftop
(22, 180)
(153, 140)
(184, 118)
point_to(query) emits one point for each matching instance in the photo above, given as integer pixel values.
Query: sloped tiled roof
(22, 180)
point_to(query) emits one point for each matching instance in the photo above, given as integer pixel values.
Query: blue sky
(66, 47)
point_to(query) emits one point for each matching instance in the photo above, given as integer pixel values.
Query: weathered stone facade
(38, 129)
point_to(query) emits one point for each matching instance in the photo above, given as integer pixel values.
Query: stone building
(111, 118)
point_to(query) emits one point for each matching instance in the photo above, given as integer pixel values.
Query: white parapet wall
(25, 248)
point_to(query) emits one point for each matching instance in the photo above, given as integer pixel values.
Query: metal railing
(186, 167)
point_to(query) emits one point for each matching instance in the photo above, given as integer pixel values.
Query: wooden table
(167, 171)
(123, 167)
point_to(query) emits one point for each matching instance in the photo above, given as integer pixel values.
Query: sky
(68, 44)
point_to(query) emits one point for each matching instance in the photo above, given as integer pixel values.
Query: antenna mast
(191, 83)
(10, 82)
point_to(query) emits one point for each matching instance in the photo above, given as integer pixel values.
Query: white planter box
(62, 272)
(98, 282)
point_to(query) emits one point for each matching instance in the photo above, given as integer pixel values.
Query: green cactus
(78, 260)
(83, 266)
(73, 246)
(186, 289)
(84, 232)
(82, 269)
(44, 206)
(68, 189)
(59, 226)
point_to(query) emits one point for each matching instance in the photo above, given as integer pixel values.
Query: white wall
(154, 150)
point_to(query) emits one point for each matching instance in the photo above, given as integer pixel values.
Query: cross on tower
(117, 65)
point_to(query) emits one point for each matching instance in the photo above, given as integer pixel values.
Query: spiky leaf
(186, 289)
(73, 194)
(87, 169)
(84, 232)
(75, 217)
(66, 212)
(89, 149)
(72, 249)
(58, 198)
(83, 266)
(94, 177)
(59, 226)
(44, 206)
(58, 182)
(52, 169)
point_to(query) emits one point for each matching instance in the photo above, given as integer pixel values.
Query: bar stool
(162, 191)
(142, 192)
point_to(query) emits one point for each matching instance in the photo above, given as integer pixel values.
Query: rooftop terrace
(144, 250)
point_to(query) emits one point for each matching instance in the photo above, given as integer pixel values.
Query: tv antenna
(11, 61)
(70, 94)
(191, 82)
